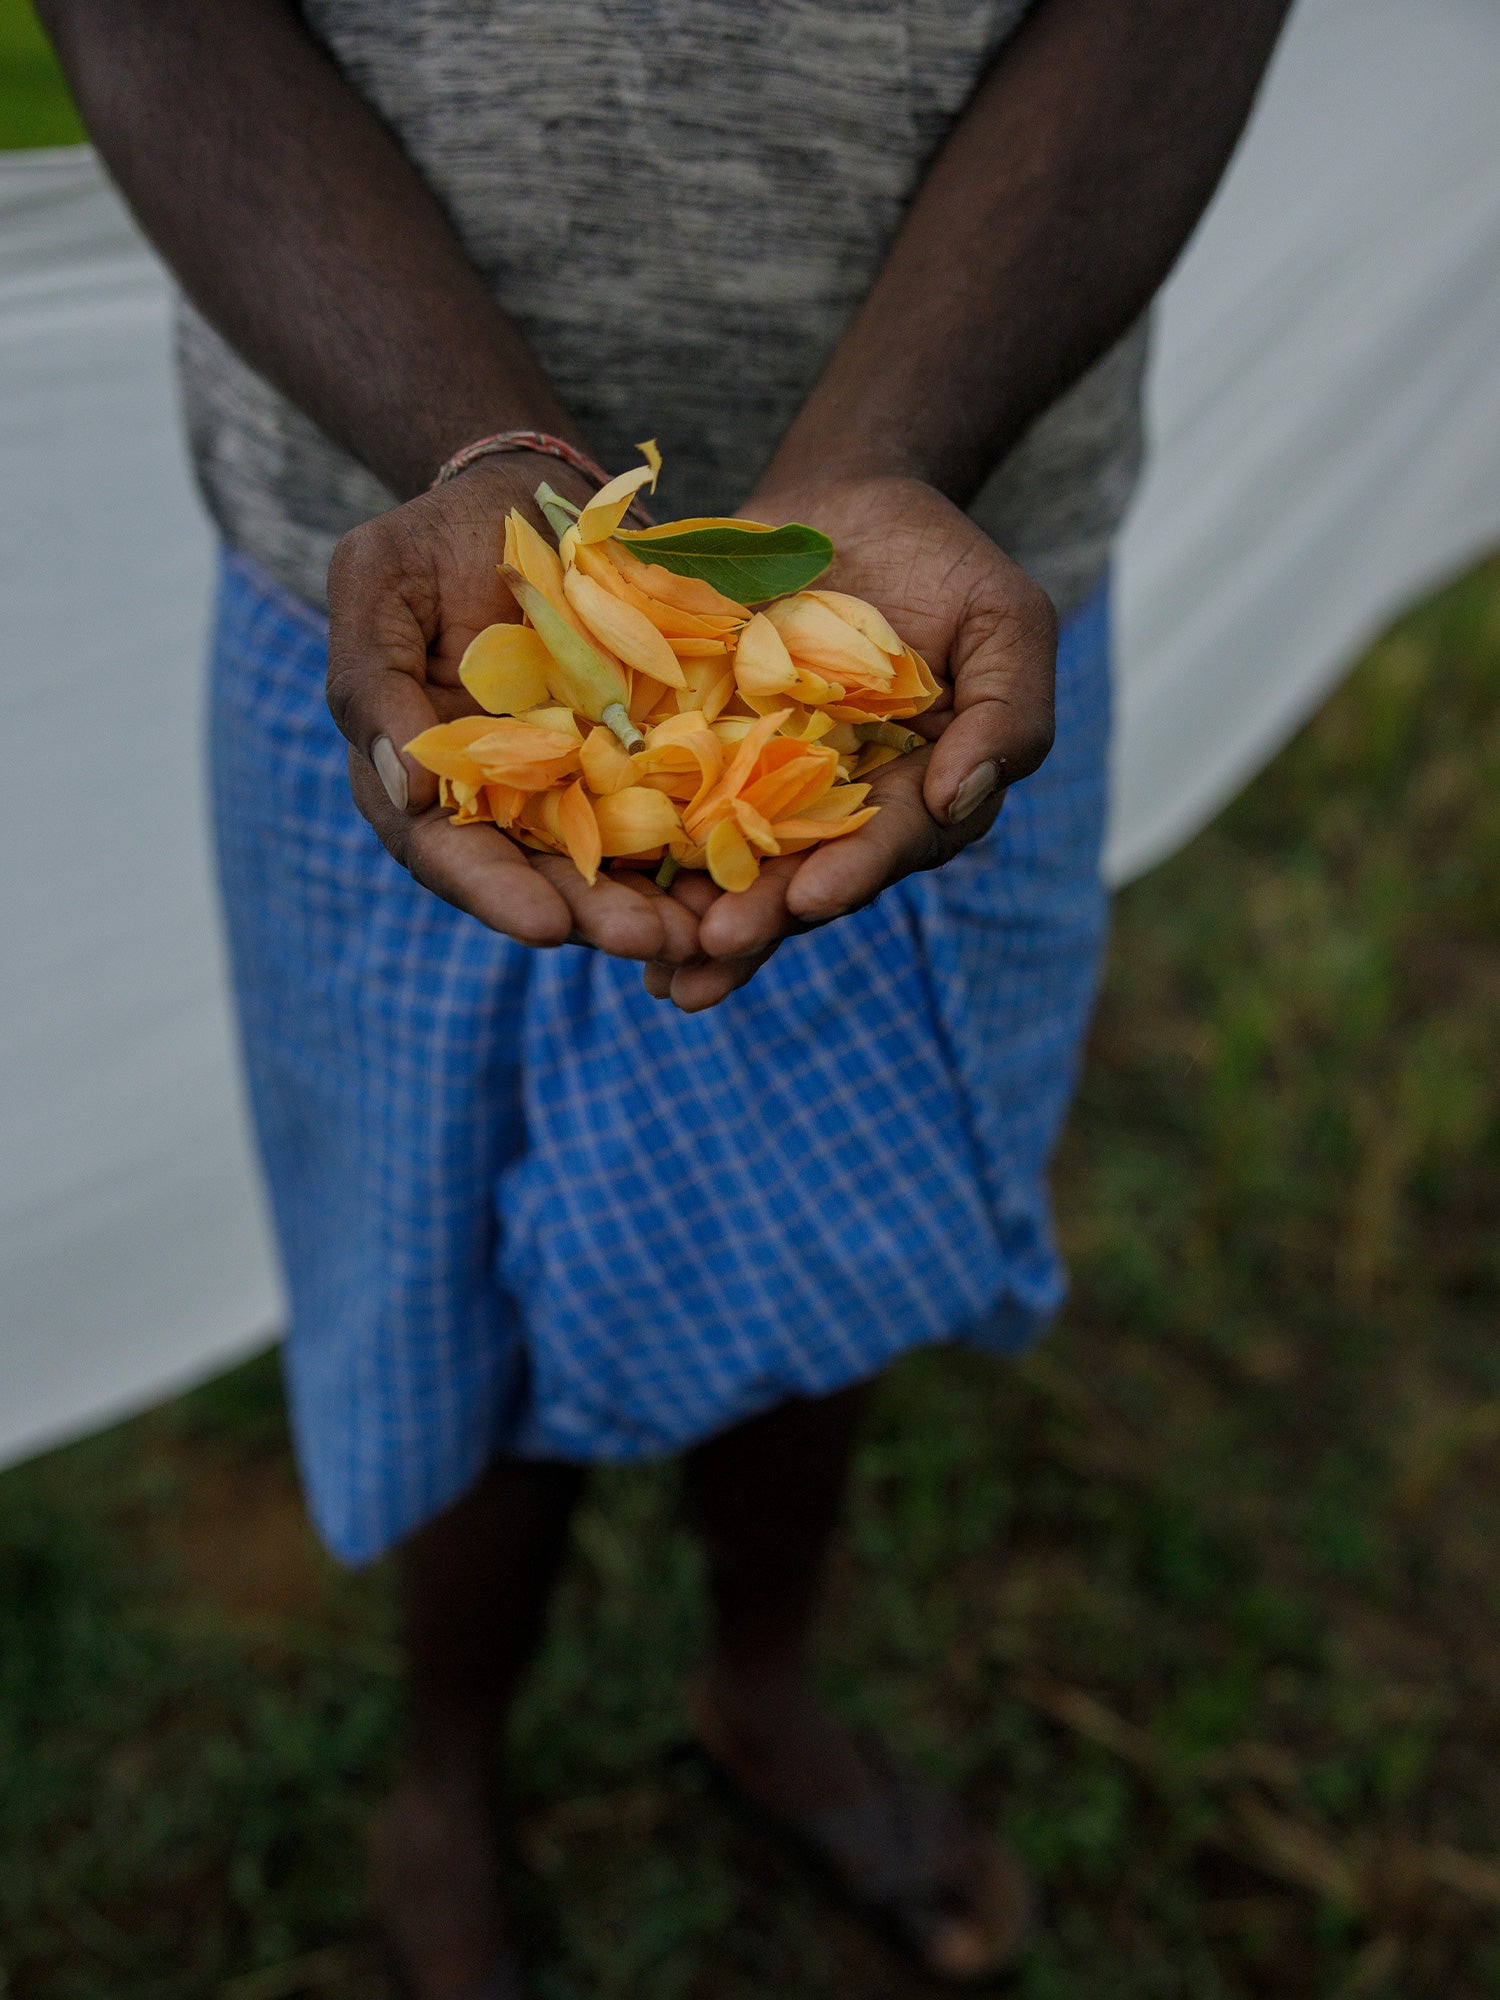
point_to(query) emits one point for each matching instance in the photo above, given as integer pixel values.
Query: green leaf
(748, 564)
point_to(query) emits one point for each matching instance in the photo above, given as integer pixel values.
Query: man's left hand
(988, 632)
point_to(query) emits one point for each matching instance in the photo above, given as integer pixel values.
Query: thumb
(1003, 663)
(378, 619)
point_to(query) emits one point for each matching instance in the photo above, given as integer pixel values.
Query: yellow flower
(563, 819)
(635, 821)
(674, 633)
(487, 768)
(622, 627)
(506, 669)
(638, 821)
(775, 795)
(724, 736)
(607, 767)
(612, 502)
(842, 656)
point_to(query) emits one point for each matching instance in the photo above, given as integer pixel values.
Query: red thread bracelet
(542, 441)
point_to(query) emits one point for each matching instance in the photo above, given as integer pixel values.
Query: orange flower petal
(645, 694)
(471, 801)
(579, 828)
(538, 818)
(681, 728)
(684, 744)
(607, 765)
(913, 665)
(562, 721)
(689, 633)
(866, 620)
(536, 559)
(731, 861)
(635, 819)
(612, 503)
(684, 593)
(446, 748)
(796, 784)
(814, 689)
(832, 805)
(595, 563)
(754, 825)
(806, 725)
(762, 664)
(818, 639)
(505, 668)
(505, 802)
(710, 684)
(742, 763)
(913, 690)
(626, 632)
(795, 834)
(512, 752)
(510, 737)
(871, 757)
(700, 649)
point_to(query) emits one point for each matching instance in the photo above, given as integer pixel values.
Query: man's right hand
(406, 594)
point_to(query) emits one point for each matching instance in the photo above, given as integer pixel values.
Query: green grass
(35, 108)
(1201, 1602)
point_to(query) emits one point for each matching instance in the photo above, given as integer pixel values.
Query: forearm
(297, 225)
(1051, 215)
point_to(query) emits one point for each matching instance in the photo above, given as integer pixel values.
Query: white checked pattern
(524, 1207)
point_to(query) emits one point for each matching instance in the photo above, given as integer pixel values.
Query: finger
(1003, 665)
(658, 980)
(734, 926)
(382, 615)
(843, 874)
(695, 988)
(696, 891)
(679, 925)
(606, 914)
(473, 867)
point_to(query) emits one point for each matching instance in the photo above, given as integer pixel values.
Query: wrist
(513, 443)
(876, 432)
(814, 459)
(420, 442)
(792, 493)
(497, 481)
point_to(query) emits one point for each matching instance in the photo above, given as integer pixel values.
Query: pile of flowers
(641, 715)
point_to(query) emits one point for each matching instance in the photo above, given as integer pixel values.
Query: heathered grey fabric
(681, 202)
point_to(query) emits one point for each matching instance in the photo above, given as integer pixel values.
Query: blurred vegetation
(1200, 1602)
(35, 108)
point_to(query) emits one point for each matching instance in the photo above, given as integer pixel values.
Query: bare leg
(767, 1497)
(475, 1584)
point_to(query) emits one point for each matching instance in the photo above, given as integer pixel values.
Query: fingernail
(973, 792)
(390, 770)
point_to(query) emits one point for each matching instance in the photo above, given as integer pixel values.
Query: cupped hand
(989, 634)
(406, 593)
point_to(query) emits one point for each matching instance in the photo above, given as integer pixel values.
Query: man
(864, 265)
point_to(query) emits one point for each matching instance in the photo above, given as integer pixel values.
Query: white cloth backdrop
(1326, 428)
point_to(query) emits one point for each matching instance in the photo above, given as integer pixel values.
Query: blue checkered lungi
(523, 1207)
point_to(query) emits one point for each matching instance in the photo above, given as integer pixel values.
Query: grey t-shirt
(681, 203)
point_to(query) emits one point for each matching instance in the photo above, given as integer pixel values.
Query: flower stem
(888, 734)
(617, 718)
(561, 513)
(666, 875)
